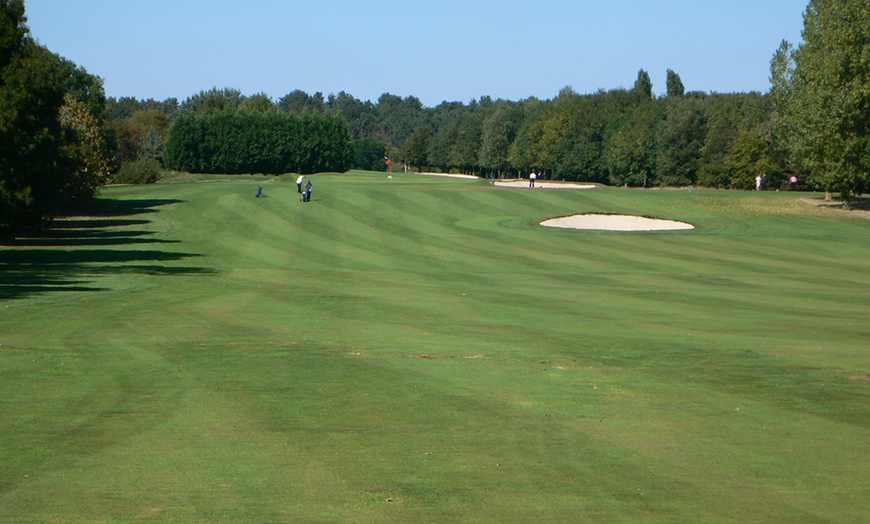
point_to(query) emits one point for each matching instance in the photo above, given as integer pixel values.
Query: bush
(713, 175)
(142, 171)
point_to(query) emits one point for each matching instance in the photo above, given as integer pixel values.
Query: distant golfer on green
(299, 183)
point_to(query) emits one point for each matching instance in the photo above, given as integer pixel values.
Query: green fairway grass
(420, 349)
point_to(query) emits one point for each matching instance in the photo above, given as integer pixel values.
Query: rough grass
(420, 350)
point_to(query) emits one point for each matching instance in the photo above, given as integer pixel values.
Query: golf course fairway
(421, 349)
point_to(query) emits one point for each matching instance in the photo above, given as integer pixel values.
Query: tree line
(621, 136)
(61, 139)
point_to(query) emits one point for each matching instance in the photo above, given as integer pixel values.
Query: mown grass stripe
(423, 340)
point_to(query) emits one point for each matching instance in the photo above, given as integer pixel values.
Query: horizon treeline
(620, 136)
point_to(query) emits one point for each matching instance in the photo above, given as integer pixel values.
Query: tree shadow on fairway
(91, 241)
(90, 233)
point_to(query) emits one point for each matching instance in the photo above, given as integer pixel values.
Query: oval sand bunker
(604, 222)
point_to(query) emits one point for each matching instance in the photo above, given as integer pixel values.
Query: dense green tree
(396, 118)
(578, 153)
(643, 85)
(440, 145)
(151, 146)
(326, 144)
(86, 148)
(126, 106)
(463, 142)
(518, 151)
(680, 140)
(443, 119)
(781, 70)
(497, 132)
(360, 116)
(52, 143)
(254, 142)
(822, 92)
(674, 84)
(728, 117)
(131, 132)
(630, 152)
(121, 108)
(721, 133)
(442, 114)
(300, 102)
(781, 67)
(30, 136)
(258, 103)
(746, 159)
(368, 153)
(184, 142)
(12, 31)
(416, 151)
(213, 101)
(523, 150)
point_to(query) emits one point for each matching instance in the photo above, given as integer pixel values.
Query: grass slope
(418, 349)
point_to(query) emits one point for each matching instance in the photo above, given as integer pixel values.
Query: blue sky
(449, 50)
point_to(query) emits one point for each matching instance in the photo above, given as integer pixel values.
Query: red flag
(388, 161)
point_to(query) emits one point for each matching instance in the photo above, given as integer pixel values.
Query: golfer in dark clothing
(306, 196)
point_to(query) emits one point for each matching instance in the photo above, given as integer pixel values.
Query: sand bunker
(616, 223)
(449, 174)
(543, 184)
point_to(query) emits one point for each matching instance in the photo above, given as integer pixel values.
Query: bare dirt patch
(605, 222)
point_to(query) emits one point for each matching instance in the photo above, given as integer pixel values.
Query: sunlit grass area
(420, 349)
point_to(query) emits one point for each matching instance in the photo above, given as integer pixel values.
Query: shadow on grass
(91, 241)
